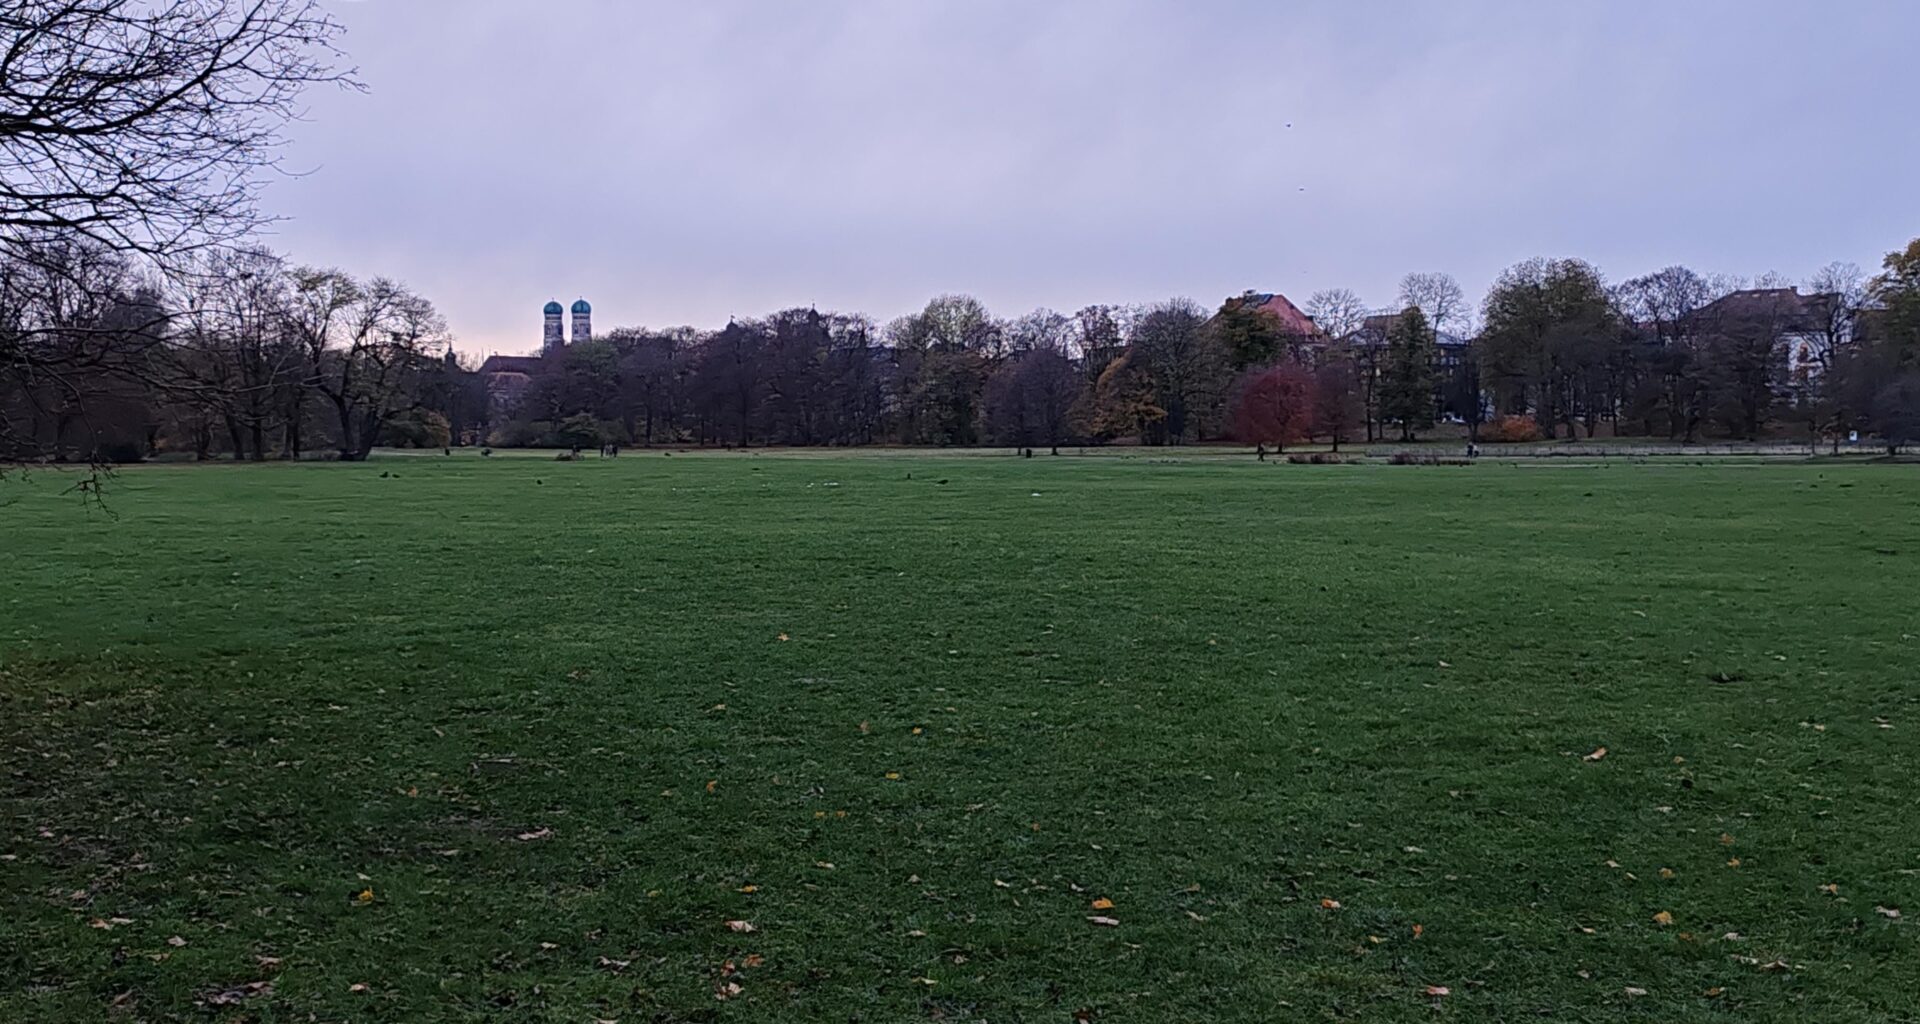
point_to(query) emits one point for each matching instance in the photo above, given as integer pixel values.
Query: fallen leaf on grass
(712, 784)
(1635, 992)
(893, 776)
(1330, 904)
(752, 960)
(1664, 917)
(749, 888)
(1733, 862)
(1103, 903)
(1419, 930)
(1197, 917)
(731, 988)
(784, 638)
(1714, 992)
(1831, 889)
(1437, 991)
(1105, 922)
(366, 895)
(1666, 872)
(741, 926)
(534, 836)
(234, 996)
(1888, 912)
(616, 966)
(1598, 753)
(357, 987)
(176, 941)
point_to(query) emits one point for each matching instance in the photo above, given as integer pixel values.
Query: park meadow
(777, 737)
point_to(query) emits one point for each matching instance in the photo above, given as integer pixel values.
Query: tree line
(1553, 350)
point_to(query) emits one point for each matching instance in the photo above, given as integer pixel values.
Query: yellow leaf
(1103, 903)
(749, 888)
(711, 784)
(1666, 872)
(894, 776)
(1734, 862)
(366, 895)
(1663, 918)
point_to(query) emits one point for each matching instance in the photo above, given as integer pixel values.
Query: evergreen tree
(1406, 384)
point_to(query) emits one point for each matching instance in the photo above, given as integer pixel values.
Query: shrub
(1511, 429)
(120, 452)
(1420, 459)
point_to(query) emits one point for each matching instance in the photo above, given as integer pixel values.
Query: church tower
(582, 322)
(553, 341)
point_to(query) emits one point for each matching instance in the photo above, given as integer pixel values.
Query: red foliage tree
(1274, 405)
(1337, 406)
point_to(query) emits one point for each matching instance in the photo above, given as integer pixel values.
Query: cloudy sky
(680, 162)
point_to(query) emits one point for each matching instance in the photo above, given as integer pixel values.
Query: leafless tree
(366, 347)
(1338, 311)
(78, 325)
(1840, 291)
(1439, 296)
(148, 126)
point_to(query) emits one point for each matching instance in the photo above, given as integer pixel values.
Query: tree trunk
(238, 436)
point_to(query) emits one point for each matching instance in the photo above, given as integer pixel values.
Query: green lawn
(435, 739)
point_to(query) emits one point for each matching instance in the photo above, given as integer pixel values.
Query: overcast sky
(682, 162)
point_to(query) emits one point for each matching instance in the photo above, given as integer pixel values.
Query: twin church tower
(554, 340)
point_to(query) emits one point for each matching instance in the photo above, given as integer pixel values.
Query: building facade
(507, 378)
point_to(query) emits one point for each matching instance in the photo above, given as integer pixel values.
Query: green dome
(553, 309)
(581, 307)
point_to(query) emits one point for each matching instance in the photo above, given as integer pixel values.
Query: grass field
(510, 740)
